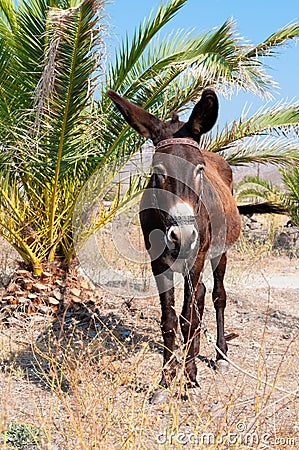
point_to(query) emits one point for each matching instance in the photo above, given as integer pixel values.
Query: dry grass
(85, 379)
(93, 393)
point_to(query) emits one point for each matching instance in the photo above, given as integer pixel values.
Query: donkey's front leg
(190, 320)
(169, 324)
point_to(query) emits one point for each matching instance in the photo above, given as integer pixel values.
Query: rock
(57, 294)
(27, 284)
(39, 287)
(46, 277)
(12, 287)
(84, 285)
(287, 241)
(76, 292)
(53, 301)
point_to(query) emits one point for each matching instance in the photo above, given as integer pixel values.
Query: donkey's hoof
(160, 396)
(192, 394)
(222, 366)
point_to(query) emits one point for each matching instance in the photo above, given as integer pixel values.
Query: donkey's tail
(262, 208)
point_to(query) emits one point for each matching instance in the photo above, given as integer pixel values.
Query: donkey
(187, 214)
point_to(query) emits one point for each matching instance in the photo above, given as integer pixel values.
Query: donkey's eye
(198, 171)
(160, 177)
(160, 173)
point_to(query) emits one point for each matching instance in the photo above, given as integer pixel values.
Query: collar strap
(181, 141)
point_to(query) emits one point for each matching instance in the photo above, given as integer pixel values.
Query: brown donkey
(187, 215)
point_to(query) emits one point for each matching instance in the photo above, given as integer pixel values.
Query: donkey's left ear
(204, 114)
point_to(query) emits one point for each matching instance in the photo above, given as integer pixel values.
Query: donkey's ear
(139, 119)
(204, 114)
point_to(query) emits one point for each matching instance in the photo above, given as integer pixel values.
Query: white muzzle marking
(181, 235)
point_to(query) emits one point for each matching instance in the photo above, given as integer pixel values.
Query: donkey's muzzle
(181, 239)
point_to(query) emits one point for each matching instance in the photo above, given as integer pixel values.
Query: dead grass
(85, 378)
(86, 392)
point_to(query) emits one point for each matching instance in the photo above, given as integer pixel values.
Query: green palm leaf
(49, 141)
(270, 135)
(257, 188)
(291, 180)
(272, 44)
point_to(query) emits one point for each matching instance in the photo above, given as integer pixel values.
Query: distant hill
(265, 171)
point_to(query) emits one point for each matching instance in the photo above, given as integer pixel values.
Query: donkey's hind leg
(219, 299)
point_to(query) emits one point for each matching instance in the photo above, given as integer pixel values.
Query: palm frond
(278, 120)
(255, 187)
(279, 151)
(291, 180)
(272, 44)
(7, 14)
(270, 135)
(131, 50)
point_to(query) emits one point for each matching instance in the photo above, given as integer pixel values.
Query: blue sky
(255, 21)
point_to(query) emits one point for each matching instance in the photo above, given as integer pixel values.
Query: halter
(182, 141)
(181, 220)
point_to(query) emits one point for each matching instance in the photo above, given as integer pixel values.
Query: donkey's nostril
(174, 237)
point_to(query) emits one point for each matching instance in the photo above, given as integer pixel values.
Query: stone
(46, 276)
(84, 285)
(53, 301)
(57, 294)
(12, 287)
(76, 292)
(39, 287)
(27, 284)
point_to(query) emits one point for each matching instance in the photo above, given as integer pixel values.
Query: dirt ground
(259, 394)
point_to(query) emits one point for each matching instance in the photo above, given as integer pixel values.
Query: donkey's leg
(219, 299)
(169, 324)
(190, 319)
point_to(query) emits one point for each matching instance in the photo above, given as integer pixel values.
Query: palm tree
(56, 135)
(254, 188)
(49, 60)
(291, 181)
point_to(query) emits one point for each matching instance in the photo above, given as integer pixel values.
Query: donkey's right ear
(139, 119)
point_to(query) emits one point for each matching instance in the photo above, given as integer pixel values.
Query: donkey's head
(178, 167)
